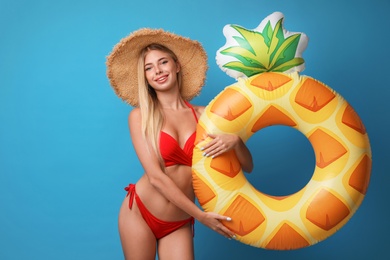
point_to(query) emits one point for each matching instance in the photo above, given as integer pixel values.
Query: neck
(172, 101)
(173, 104)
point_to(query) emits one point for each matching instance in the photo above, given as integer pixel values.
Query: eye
(148, 68)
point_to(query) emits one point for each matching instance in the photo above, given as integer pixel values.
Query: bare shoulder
(135, 114)
(134, 121)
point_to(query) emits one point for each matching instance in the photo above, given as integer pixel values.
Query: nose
(158, 70)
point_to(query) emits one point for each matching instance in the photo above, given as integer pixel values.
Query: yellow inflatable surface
(270, 91)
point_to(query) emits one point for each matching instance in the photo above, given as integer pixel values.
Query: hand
(220, 144)
(213, 221)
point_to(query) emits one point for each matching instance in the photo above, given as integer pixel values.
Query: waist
(159, 205)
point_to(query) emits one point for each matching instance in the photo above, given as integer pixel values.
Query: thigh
(178, 245)
(138, 241)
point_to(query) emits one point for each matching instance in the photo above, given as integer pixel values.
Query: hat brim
(122, 62)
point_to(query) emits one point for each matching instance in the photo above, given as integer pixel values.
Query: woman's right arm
(162, 183)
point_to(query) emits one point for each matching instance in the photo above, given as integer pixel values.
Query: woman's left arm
(222, 143)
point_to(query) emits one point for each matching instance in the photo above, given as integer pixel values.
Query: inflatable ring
(335, 131)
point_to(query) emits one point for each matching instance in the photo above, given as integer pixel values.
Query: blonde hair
(151, 112)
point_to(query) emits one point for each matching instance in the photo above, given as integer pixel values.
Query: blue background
(65, 151)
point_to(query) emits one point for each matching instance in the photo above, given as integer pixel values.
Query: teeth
(161, 79)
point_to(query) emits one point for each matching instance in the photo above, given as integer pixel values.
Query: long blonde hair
(151, 112)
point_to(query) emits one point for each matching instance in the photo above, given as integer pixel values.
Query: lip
(161, 79)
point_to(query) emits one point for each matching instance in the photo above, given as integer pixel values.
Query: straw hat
(122, 62)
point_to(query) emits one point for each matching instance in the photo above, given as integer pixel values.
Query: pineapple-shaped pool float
(270, 91)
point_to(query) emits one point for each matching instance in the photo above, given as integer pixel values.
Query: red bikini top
(170, 150)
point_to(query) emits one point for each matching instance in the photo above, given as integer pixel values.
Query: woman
(158, 73)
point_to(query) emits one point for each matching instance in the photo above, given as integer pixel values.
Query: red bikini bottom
(160, 228)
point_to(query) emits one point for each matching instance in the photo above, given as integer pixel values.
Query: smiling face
(161, 70)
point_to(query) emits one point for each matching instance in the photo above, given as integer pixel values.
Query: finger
(205, 142)
(211, 135)
(224, 232)
(217, 150)
(208, 145)
(212, 150)
(227, 232)
(222, 217)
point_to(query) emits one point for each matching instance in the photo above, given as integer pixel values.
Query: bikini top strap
(193, 110)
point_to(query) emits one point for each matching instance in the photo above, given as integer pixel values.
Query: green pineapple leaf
(266, 48)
